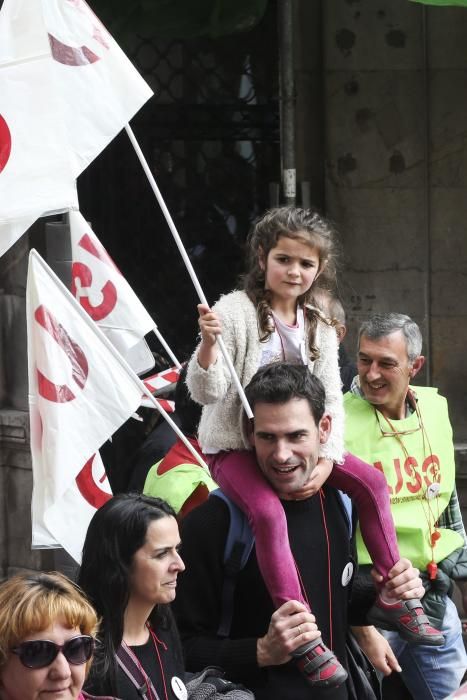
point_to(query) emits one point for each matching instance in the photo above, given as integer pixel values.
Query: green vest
(409, 475)
(177, 484)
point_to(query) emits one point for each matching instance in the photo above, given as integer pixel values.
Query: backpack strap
(127, 663)
(238, 546)
(349, 511)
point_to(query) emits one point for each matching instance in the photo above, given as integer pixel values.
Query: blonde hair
(34, 602)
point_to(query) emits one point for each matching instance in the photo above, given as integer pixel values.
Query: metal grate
(211, 137)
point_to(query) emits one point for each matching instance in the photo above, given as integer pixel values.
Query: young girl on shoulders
(273, 319)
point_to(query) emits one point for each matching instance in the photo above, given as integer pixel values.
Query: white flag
(106, 296)
(36, 174)
(81, 391)
(69, 517)
(66, 91)
(99, 88)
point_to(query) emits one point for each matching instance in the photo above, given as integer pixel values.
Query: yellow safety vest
(177, 484)
(409, 475)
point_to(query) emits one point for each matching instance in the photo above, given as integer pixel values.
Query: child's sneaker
(406, 617)
(319, 665)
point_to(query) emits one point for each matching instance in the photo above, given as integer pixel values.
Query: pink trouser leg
(239, 476)
(368, 489)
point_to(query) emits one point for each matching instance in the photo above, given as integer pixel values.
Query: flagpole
(169, 352)
(175, 427)
(144, 390)
(187, 262)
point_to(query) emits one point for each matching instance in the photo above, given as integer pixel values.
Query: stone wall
(15, 457)
(395, 105)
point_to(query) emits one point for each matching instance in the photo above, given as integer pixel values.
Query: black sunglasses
(39, 653)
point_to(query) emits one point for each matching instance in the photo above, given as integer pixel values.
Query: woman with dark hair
(129, 572)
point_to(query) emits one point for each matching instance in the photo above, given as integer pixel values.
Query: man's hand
(290, 627)
(404, 581)
(317, 478)
(377, 649)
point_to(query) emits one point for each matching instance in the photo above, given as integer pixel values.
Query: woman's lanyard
(136, 672)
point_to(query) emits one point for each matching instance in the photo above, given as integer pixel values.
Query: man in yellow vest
(405, 433)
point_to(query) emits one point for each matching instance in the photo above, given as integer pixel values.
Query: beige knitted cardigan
(221, 419)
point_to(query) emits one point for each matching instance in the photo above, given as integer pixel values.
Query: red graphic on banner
(164, 379)
(88, 486)
(95, 248)
(5, 143)
(79, 55)
(71, 55)
(61, 393)
(83, 273)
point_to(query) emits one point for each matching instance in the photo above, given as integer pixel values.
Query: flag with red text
(80, 391)
(104, 293)
(67, 89)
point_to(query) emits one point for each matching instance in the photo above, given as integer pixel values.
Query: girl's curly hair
(306, 226)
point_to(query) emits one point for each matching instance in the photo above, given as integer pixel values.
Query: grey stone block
(382, 230)
(372, 35)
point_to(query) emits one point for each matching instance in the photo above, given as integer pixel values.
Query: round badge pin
(179, 688)
(432, 491)
(347, 574)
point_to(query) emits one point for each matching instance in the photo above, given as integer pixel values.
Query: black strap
(128, 665)
(233, 566)
(238, 546)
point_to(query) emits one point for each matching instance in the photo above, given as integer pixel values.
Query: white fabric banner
(99, 88)
(105, 294)
(80, 392)
(35, 169)
(69, 517)
(67, 89)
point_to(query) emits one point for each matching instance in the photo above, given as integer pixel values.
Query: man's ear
(324, 428)
(417, 366)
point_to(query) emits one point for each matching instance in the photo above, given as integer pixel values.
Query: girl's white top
(222, 421)
(286, 343)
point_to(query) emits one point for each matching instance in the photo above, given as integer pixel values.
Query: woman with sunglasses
(46, 638)
(129, 572)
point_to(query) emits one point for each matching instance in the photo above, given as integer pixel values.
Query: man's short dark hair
(280, 382)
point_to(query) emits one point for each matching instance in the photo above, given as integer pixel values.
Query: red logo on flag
(79, 16)
(61, 393)
(5, 143)
(89, 486)
(81, 272)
